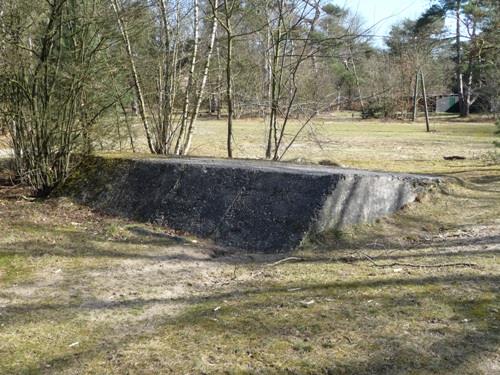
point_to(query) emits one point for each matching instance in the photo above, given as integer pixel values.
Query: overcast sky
(384, 13)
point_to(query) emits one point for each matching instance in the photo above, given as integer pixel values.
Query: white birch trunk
(201, 91)
(135, 76)
(185, 109)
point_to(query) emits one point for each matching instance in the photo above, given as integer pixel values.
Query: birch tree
(201, 90)
(135, 76)
(175, 81)
(224, 17)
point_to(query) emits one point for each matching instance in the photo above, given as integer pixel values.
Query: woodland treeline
(65, 65)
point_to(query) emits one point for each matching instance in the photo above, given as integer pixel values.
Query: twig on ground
(460, 264)
(289, 259)
(412, 265)
(347, 338)
(29, 199)
(9, 187)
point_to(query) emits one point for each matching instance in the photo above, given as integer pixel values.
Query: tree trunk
(469, 78)
(460, 83)
(229, 94)
(199, 97)
(219, 84)
(135, 76)
(274, 89)
(185, 109)
(424, 93)
(415, 98)
(356, 78)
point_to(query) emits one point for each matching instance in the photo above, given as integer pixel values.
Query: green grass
(14, 268)
(141, 299)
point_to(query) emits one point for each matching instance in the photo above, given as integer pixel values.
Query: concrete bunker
(248, 204)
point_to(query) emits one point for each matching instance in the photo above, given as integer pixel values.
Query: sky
(384, 13)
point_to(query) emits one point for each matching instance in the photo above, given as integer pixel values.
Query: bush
(47, 90)
(383, 108)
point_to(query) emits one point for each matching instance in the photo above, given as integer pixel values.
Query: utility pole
(415, 97)
(425, 103)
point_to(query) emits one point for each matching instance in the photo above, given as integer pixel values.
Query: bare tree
(290, 31)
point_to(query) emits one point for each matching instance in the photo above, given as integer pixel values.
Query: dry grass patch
(82, 292)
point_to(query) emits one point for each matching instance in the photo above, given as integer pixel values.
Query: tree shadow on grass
(484, 180)
(74, 242)
(252, 316)
(489, 282)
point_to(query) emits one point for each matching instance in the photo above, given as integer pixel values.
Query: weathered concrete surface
(254, 205)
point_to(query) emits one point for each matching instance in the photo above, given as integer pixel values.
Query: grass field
(370, 144)
(414, 293)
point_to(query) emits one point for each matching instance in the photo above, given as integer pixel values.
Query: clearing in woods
(417, 292)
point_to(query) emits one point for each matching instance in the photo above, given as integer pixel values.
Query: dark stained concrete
(249, 204)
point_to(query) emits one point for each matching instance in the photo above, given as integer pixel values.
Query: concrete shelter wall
(253, 205)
